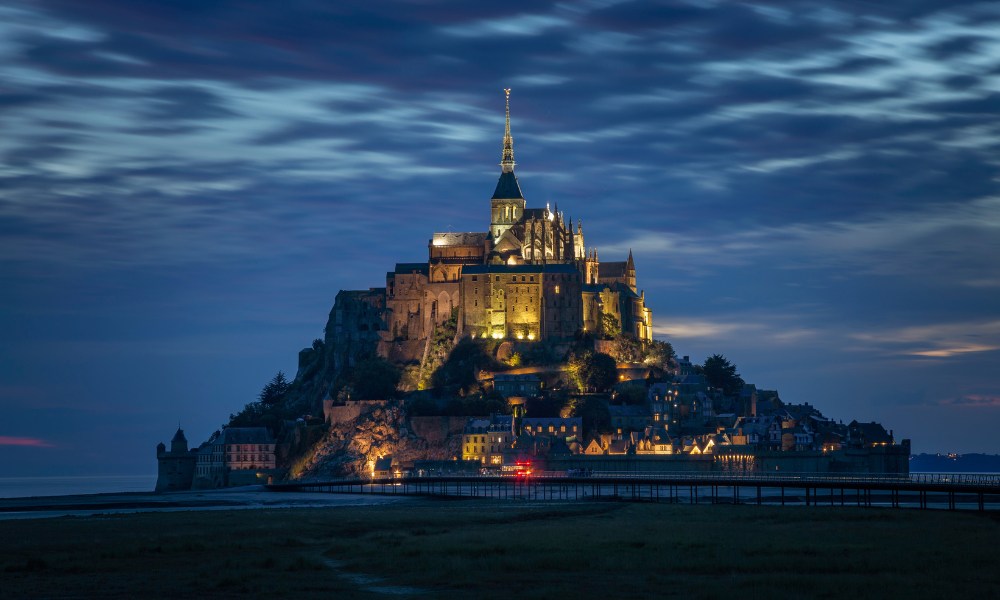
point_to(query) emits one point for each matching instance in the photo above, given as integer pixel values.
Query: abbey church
(529, 277)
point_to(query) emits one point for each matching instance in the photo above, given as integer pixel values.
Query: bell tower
(507, 204)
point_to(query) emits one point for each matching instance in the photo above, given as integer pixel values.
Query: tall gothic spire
(507, 160)
(507, 187)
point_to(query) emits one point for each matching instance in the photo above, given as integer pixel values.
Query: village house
(236, 456)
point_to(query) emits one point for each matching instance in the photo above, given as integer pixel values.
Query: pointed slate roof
(507, 187)
(612, 269)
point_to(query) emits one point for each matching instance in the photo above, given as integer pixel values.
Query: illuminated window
(557, 289)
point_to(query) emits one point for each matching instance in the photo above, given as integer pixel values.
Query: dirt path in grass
(371, 583)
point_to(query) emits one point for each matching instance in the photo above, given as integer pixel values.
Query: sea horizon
(29, 486)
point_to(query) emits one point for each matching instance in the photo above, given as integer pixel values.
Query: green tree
(610, 326)
(441, 347)
(477, 404)
(593, 371)
(374, 379)
(594, 413)
(721, 374)
(625, 348)
(460, 370)
(545, 406)
(575, 365)
(660, 355)
(274, 391)
(632, 394)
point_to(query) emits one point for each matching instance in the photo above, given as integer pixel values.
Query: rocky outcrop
(351, 446)
(337, 413)
(351, 334)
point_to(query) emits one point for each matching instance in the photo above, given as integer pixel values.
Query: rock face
(351, 334)
(347, 411)
(359, 432)
(351, 446)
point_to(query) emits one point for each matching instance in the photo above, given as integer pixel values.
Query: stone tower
(630, 272)
(578, 246)
(175, 469)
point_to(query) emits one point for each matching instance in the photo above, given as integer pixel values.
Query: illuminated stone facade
(235, 456)
(487, 440)
(530, 277)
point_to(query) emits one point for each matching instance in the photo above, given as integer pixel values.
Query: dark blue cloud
(189, 184)
(957, 46)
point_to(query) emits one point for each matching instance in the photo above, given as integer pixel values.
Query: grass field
(487, 549)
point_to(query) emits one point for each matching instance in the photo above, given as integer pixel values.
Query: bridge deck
(950, 491)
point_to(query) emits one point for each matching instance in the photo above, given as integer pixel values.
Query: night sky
(809, 188)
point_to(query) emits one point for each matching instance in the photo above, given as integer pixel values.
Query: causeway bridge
(918, 490)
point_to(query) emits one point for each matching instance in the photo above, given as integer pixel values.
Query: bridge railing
(951, 479)
(972, 479)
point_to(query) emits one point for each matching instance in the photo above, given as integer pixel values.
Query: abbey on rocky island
(530, 277)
